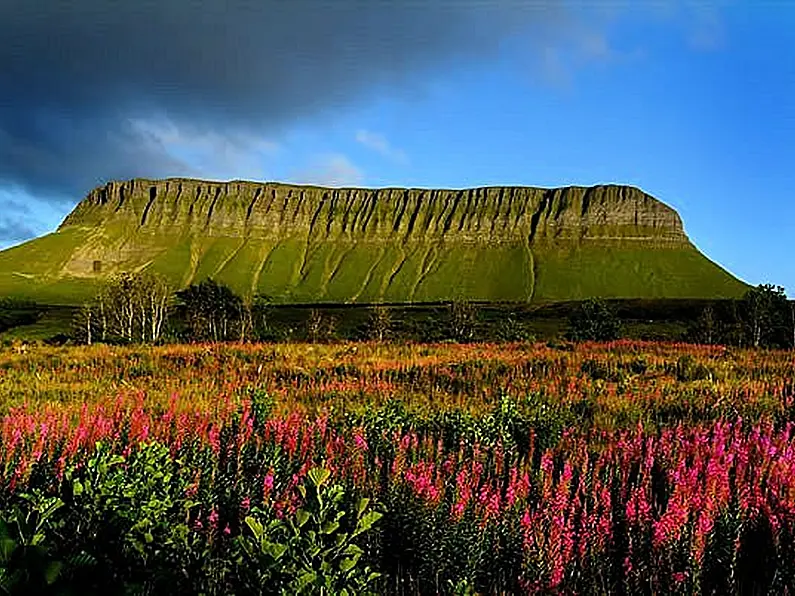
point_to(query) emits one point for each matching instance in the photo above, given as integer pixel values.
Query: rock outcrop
(492, 214)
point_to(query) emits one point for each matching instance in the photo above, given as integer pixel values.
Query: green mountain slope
(313, 244)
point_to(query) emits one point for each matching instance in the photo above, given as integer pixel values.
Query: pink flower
(212, 520)
(360, 441)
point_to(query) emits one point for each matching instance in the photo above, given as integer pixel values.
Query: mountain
(314, 244)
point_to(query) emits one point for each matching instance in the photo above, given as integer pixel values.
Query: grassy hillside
(305, 244)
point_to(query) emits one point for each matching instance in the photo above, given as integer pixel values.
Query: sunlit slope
(312, 244)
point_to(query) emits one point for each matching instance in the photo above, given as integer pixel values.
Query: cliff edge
(313, 244)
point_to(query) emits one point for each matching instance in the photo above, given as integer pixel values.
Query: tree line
(138, 307)
(143, 308)
(762, 318)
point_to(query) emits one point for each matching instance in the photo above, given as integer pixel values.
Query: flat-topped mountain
(313, 244)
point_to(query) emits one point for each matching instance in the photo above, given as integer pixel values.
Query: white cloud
(379, 144)
(588, 36)
(333, 169)
(208, 153)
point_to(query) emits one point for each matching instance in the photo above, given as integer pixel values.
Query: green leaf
(274, 550)
(304, 580)
(77, 488)
(302, 517)
(329, 527)
(319, 476)
(361, 505)
(347, 564)
(255, 526)
(367, 522)
(353, 550)
(52, 572)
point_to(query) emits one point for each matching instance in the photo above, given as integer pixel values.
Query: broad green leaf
(307, 578)
(275, 551)
(52, 572)
(361, 505)
(347, 564)
(367, 522)
(77, 488)
(329, 527)
(353, 550)
(302, 517)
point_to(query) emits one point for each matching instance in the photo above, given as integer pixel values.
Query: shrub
(314, 551)
(594, 320)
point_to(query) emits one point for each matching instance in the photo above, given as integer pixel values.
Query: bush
(462, 318)
(509, 330)
(594, 320)
(314, 551)
(688, 369)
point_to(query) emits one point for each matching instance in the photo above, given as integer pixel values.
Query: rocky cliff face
(272, 210)
(312, 244)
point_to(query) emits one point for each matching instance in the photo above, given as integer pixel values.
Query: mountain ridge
(307, 243)
(526, 207)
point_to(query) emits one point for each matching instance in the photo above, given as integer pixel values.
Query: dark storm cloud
(76, 76)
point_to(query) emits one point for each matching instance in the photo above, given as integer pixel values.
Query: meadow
(350, 468)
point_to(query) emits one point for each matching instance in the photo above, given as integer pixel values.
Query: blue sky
(692, 102)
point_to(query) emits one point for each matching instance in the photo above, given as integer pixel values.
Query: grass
(341, 271)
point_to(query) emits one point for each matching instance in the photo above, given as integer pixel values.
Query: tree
(594, 320)
(379, 323)
(132, 307)
(84, 324)
(320, 327)
(463, 318)
(706, 329)
(765, 310)
(214, 312)
(792, 323)
(259, 309)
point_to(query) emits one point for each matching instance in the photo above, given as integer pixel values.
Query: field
(629, 467)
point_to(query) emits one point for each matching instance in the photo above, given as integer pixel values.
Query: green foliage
(213, 311)
(315, 551)
(510, 329)
(594, 321)
(766, 316)
(138, 505)
(27, 561)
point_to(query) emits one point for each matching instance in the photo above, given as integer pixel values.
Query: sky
(692, 101)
